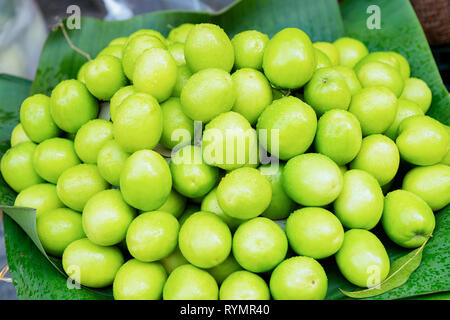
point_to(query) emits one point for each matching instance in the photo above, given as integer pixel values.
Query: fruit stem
(60, 24)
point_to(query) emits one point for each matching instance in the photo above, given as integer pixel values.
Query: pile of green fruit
(288, 160)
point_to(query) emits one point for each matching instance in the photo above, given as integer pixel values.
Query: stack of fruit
(313, 133)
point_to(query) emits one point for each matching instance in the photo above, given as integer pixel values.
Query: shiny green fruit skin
(207, 94)
(327, 90)
(117, 99)
(155, 73)
(249, 49)
(378, 156)
(375, 74)
(115, 50)
(254, 93)
(145, 180)
(360, 203)
(58, 228)
(211, 204)
(136, 46)
(226, 268)
(431, 183)
(405, 69)
(229, 142)
(36, 119)
(190, 283)
(312, 179)
(152, 236)
(350, 78)
(314, 232)
(375, 108)
(183, 75)
(330, 50)
(104, 76)
(338, 136)
(118, 41)
(296, 123)
(138, 280)
(407, 219)
(71, 105)
(289, 59)
(91, 137)
(351, 51)
(148, 32)
(176, 49)
(17, 168)
(91, 265)
(18, 135)
(191, 176)
(259, 245)
(280, 205)
(299, 278)
(174, 119)
(406, 109)
(110, 161)
(41, 197)
(419, 92)
(175, 204)
(173, 260)
(208, 46)
(106, 218)
(244, 193)
(322, 60)
(180, 33)
(379, 56)
(205, 240)
(362, 259)
(244, 285)
(78, 184)
(422, 140)
(138, 123)
(54, 156)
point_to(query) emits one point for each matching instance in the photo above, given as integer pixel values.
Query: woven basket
(434, 15)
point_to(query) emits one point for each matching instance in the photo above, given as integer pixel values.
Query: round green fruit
(175, 204)
(41, 197)
(314, 232)
(362, 259)
(117, 99)
(289, 60)
(376, 74)
(145, 180)
(296, 123)
(91, 265)
(173, 260)
(18, 135)
(312, 179)
(259, 245)
(180, 33)
(406, 109)
(417, 91)
(178, 128)
(407, 219)
(110, 161)
(322, 60)
(176, 49)
(115, 50)
(36, 119)
(350, 78)
(360, 203)
(299, 278)
(205, 240)
(183, 75)
(223, 270)
(330, 50)
(58, 228)
(211, 204)
(244, 285)
(249, 49)
(351, 51)
(91, 137)
(138, 280)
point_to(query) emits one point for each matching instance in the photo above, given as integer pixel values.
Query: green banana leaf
(34, 274)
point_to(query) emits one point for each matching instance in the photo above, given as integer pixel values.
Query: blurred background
(25, 24)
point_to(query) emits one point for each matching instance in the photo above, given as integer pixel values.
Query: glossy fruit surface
(91, 137)
(71, 105)
(183, 75)
(322, 60)
(138, 280)
(205, 240)
(110, 161)
(145, 180)
(299, 278)
(173, 260)
(249, 49)
(90, 264)
(36, 119)
(18, 135)
(406, 109)
(259, 245)
(106, 218)
(180, 33)
(54, 156)
(223, 270)
(78, 184)
(312, 179)
(362, 258)
(244, 285)
(207, 94)
(289, 60)
(330, 50)
(407, 219)
(208, 46)
(41, 197)
(360, 203)
(314, 232)
(378, 156)
(117, 99)
(375, 74)
(351, 51)
(350, 78)
(417, 91)
(178, 128)
(58, 228)
(296, 123)
(338, 136)
(175, 204)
